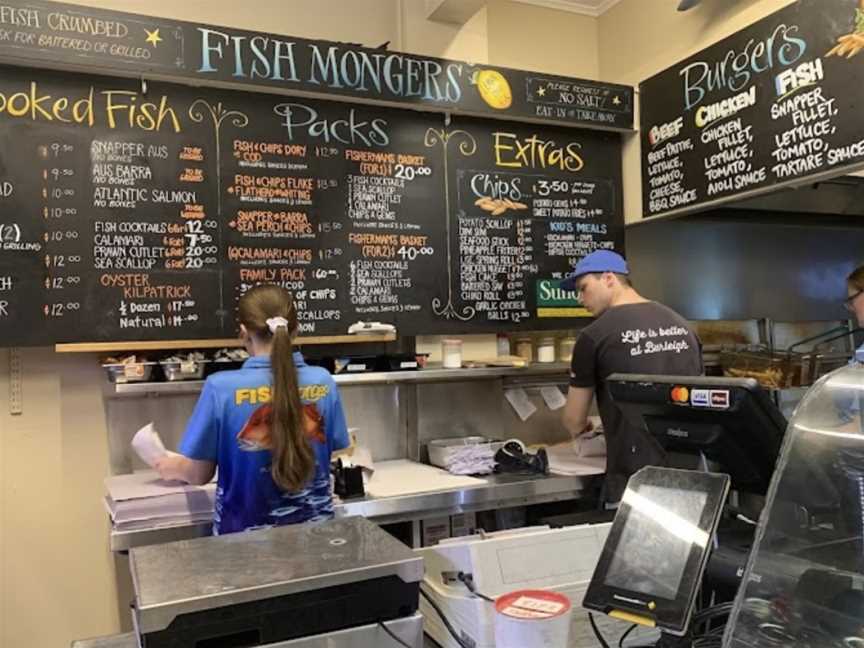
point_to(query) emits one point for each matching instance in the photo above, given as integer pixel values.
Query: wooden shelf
(159, 345)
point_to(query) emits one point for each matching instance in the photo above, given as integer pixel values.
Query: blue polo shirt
(231, 427)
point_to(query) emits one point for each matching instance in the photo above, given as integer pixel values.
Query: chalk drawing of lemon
(494, 89)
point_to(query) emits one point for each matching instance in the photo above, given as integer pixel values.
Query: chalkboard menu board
(128, 214)
(774, 105)
(526, 203)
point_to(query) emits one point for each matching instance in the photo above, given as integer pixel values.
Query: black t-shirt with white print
(643, 338)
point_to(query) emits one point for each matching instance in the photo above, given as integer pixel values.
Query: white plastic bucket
(534, 618)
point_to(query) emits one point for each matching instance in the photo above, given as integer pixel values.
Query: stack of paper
(571, 458)
(142, 499)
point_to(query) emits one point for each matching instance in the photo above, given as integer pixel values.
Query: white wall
(56, 574)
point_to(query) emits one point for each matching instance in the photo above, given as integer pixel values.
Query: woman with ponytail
(270, 427)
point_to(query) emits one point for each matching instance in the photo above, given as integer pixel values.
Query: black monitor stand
(650, 569)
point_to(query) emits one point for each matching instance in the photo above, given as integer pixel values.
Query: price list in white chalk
(274, 230)
(388, 243)
(573, 217)
(151, 234)
(517, 228)
(494, 264)
(60, 169)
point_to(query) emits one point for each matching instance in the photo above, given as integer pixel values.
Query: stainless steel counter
(205, 574)
(500, 491)
(577, 639)
(128, 641)
(409, 629)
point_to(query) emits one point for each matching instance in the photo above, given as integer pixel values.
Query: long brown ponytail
(293, 460)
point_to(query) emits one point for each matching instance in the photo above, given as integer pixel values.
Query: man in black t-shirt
(629, 335)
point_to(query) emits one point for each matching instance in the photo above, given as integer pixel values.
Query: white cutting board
(403, 477)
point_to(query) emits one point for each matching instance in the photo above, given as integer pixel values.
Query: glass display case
(804, 582)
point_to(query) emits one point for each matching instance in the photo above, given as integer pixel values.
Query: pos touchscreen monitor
(652, 563)
(731, 422)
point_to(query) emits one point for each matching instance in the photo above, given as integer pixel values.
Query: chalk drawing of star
(153, 37)
(616, 100)
(541, 92)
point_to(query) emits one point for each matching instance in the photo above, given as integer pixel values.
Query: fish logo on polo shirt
(257, 433)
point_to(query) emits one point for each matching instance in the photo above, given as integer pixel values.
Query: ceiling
(587, 7)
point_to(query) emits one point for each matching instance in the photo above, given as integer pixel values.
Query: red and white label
(533, 604)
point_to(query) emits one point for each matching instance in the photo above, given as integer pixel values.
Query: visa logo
(700, 398)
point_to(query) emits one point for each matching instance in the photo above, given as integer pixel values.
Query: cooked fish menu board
(132, 212)
(776, 104)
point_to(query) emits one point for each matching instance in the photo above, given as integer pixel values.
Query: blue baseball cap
(599, 261)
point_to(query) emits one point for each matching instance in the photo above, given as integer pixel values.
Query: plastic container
(525, 348)
(443, 452)
(565, 348)
(546, 349)
(502, 344)
(128, 372)
(451, 353)
(534, 618)
(175, 370)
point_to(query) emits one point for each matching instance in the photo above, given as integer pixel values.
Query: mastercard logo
(680, 395)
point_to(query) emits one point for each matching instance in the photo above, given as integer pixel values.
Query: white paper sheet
(148, 445)
(553, 397)
(520, 403)
(564, 459)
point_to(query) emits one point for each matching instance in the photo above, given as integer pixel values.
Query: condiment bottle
(451, 353)
(546, 349)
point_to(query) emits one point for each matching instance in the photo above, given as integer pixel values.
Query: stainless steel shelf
(430, 375)
(500, 491)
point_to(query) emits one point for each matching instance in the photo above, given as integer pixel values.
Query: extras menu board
(526, 203)
(771, 106)
(130, 213)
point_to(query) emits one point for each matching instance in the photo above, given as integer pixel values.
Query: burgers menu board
(133, 211)
(774, 105)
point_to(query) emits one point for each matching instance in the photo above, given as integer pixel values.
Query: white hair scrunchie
(275, 323)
